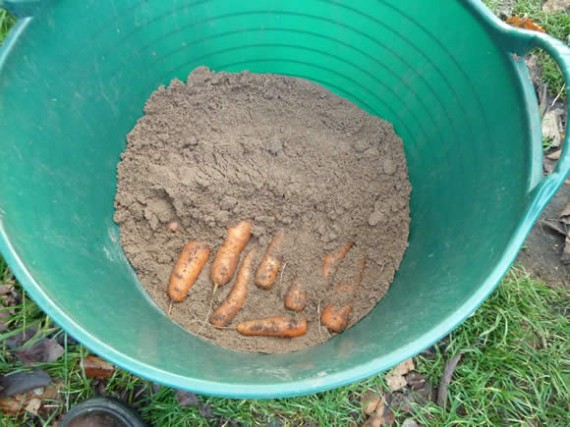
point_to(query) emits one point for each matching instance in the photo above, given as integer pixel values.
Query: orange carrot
(271, 263)
(187, 269)
(235, 300)
(335, 316)
(331, 261)
(227, 258)
(296, 297)
(276, 326)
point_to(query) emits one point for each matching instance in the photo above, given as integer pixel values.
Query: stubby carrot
(187, 269)
(225, 313)
(332, 260)
(335, 317)
(276, 326)
(296, 297)
(271, 263)
(227, 258)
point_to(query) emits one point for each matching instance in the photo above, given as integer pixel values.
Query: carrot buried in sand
(271, 263)
(335, 316)
(225, 313)
(296, 297)
(331, 261)
(276, 326)
(187, 269)
(227, 258)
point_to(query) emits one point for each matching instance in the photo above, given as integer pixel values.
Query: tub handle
(561, 54)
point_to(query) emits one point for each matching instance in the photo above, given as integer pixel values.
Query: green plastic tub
(74, 76)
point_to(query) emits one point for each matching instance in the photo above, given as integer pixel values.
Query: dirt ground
(543, 247)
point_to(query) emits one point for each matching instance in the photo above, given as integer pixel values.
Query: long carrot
(235, 300)
(332, 260)
(271, 263)
(335, 316)
(227, 258)
(276, 326)
(296, 297)
(187, 269)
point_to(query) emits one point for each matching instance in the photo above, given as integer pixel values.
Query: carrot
(276, 326)
(227, 258)
(271, 263)
(235, 300)
(296, 297)
(335, 316)
(187, 269)
(331, 261)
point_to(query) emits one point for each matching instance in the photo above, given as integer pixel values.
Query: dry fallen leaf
(403, 368)
(22, 382)
(42, 351)
(555, 155)
(186, 399)
(370, 401)
(446, 379)
(525, 22)
(555, 6)
(395, 378)
(565, 215)
(34, 406)
(396, 382)
(97, 368)
(17, 404)
(385, 415)
(410, 422)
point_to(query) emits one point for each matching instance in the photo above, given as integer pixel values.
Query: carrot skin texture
(228, 310)
(190, 263)
(276, 326)
(332, 260)
(296, 297)
(227, 258)
(335, 317)
(270, 265)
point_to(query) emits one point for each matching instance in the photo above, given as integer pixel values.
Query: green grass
(515, 371)
(6, 22)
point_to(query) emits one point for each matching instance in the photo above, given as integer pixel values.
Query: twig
(170, 308)
(557, 97)
(446, 379)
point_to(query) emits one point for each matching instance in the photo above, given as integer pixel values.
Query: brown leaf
(555, 6)
(3, 323)
(525, 23)
(385, 415)
(17, 404)
(186, 399)
(410, 422)
(18, 340)
(34, 406)
(565, 215)
(7, 289)
(555, 155)
(42, 351)
(553, 225)
(22, 382)
(370, 401)
(396, 382)
(403, 368)
(97, 368)
(446, 379)
(373, 422)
